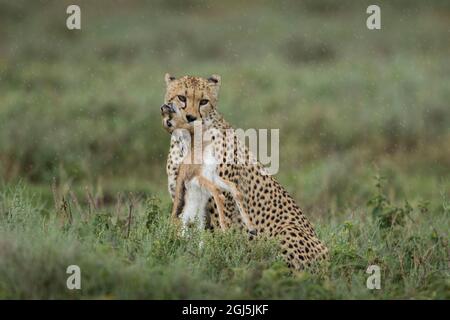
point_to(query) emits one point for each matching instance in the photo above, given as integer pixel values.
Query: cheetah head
(194, 97)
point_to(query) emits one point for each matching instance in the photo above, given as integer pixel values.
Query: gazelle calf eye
(182, 98)
(203, 102)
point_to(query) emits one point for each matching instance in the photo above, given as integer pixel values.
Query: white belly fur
(209, 164)
(194, 210)
(195, 203)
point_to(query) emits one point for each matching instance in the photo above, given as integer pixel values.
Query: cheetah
(270, 207)
(197, 182)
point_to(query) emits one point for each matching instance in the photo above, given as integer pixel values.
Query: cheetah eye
(203, 102)
(182, 98)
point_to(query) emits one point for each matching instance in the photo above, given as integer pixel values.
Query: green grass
(80, 111)
(140, 254)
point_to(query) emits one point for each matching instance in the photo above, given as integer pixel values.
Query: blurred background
(81, 107)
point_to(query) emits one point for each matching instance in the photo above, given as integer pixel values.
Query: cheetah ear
(214, 79)
(168, 78)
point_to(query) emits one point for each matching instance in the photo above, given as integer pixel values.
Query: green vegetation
(133, 251)
(81, 141)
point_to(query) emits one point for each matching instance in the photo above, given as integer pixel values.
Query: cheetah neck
(215, 120)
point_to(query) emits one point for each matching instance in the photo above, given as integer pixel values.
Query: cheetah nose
(190, 118)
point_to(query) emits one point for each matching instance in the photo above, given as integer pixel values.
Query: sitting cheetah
(269, 205)
(197, 182)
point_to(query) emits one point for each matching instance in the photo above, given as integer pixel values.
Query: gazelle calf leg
(230, 187)
(178, 201)
(218, 197)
